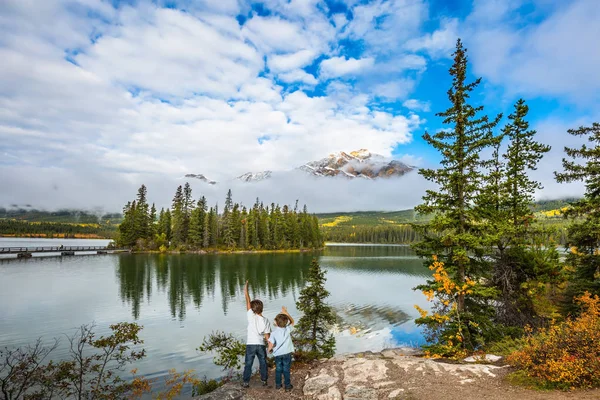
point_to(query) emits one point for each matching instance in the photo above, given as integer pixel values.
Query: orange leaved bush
(565, 355)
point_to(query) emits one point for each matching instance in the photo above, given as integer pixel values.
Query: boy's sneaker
(277, 387)
(245, 385)
(265, 384)
(289, 388)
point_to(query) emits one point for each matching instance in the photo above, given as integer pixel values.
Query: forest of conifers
(11, 227)
(192, 225)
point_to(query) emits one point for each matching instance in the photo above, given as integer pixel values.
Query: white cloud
(554, 57)
(397, 89)
(385, 25)
(341, 66)
(171, 53)
(417, 105)
(438, 43)
(288, 62)
(298, 75)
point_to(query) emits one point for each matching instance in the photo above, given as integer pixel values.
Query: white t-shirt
(258, 326)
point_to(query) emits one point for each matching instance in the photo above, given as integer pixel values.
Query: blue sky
(99, 96)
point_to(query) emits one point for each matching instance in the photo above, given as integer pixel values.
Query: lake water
(181, 298)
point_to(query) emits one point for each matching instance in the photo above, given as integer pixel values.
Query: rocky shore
(395, 374)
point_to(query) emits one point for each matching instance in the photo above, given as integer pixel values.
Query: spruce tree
(152, 230)
(522, 156)
(311, 333)
(584, 231)
(127, 236)
(517, 268)
(177, 217)
(188, 206)
(453, 244)
(142, 217)
(206, 235)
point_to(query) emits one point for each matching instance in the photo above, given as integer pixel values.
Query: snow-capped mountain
(255, 176)
(361, 164)
(356, 164)
(201, 177)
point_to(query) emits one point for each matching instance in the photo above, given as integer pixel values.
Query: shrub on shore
(565, 355)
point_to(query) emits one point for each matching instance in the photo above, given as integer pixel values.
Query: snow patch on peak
(201, 177)
(255, 176)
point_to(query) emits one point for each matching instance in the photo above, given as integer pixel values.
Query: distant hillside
(62, 223)
(62, 216)
(394, 226)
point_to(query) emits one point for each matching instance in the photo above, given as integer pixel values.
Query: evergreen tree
(311, 332)
(179, 231)
(188, 206)
(517, 266)
(263, 228)
(228, 223)
(127, 235)
(453, 243)
(206, 239)
(196, 228)
(141, 216)
(164, 223)
(197, 223)
(244, 234)
(236, 225)
(522, 156)
(228, 203)
(584, 232)
(152, 230)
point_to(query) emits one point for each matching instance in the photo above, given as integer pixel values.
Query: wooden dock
(28, 252)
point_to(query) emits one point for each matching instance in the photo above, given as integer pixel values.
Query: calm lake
(181, 298)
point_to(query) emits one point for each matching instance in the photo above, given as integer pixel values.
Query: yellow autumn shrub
(565, 355)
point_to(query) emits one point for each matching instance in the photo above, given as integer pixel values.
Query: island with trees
(191, 225)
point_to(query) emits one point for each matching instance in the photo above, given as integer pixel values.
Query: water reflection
(179, 299)
(189, 279)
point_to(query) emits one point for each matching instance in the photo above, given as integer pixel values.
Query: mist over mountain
(88, 189)
(361, 164)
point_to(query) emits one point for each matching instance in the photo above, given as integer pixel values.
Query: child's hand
(284, 309)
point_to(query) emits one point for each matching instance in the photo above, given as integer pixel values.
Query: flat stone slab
(364, 370)
(319, 384)
(229, 391)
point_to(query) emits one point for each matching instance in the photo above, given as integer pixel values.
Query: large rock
(229, 391)
(363, 370)
(319, 384)
(360, 393)
(333, 393)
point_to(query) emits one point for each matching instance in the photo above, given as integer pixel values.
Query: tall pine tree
(453, 243)
(583, 165)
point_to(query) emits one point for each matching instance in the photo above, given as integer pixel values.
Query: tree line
(15, 227)
(191, 224)
(494, 271)
(386, 234)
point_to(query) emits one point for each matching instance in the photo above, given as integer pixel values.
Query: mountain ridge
(361, 164)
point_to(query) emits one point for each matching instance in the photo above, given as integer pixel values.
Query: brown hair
(256, 306)
(282, 320)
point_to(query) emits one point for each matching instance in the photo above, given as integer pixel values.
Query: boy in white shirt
(280, 342)
(258, 331)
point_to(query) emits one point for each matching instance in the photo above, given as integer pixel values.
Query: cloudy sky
(97, 96)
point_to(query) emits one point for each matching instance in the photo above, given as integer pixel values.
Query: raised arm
(247, 296)
(285, 311)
